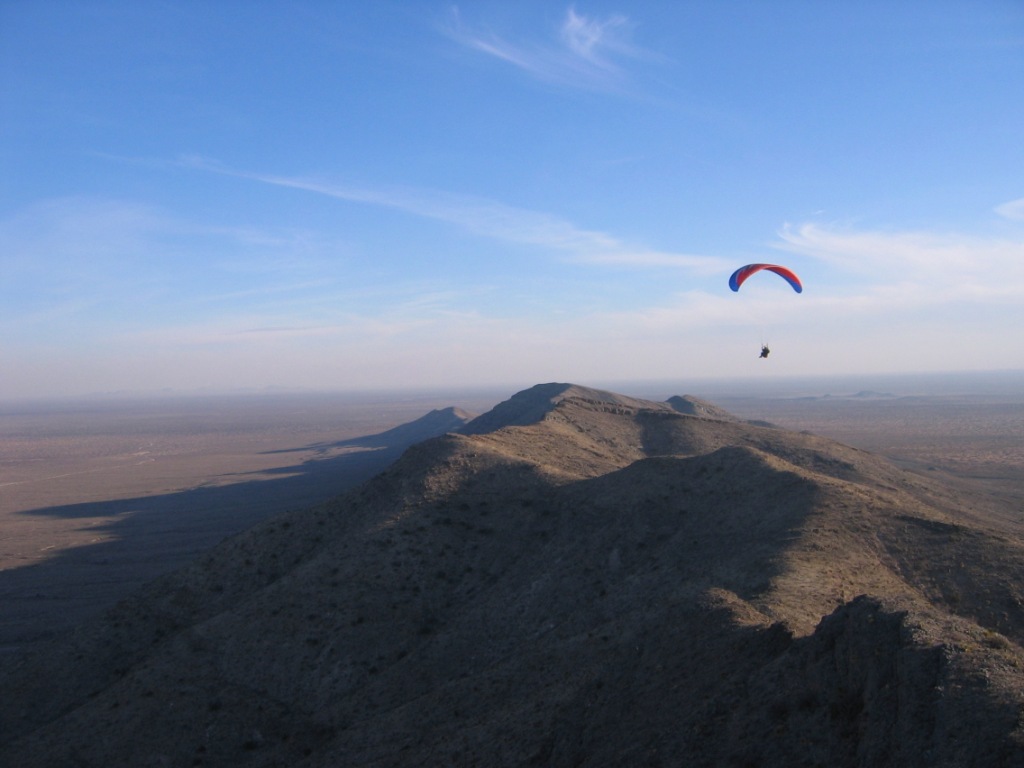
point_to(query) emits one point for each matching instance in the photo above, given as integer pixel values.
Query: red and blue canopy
(743, 273)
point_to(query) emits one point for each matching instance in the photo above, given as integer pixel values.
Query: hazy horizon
(356, 196)
(997, 383)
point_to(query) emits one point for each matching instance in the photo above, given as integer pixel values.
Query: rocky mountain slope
(575, 578)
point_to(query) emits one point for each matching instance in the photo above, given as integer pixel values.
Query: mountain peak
(532, 405)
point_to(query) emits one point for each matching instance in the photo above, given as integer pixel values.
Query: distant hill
(694, 406)
(576, 578)
(435, 423)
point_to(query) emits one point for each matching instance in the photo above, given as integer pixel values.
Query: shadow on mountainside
(435, 423)
(151, 535)
(510, 596)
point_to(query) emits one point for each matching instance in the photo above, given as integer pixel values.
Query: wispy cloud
(71, 256)
(39, 236)
(595, 40)
(492, 219)
(970, 267)
(583, 52)
(82, 265)
(1014, 209)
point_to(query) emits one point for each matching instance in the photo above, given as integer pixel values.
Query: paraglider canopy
(743, 273)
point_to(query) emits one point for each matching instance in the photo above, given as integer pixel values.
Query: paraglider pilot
(764, 351)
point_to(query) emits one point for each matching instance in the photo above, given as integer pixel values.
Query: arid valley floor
(98, 499)
(99, 496)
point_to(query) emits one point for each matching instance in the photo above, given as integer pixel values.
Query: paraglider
(741, 274)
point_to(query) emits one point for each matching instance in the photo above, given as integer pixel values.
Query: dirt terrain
(970, 435)
(575, 578)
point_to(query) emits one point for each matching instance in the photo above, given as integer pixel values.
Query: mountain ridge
(581, 578)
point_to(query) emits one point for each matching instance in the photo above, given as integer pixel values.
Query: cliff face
(575, 578)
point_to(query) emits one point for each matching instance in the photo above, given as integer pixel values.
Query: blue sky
(385, 194)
